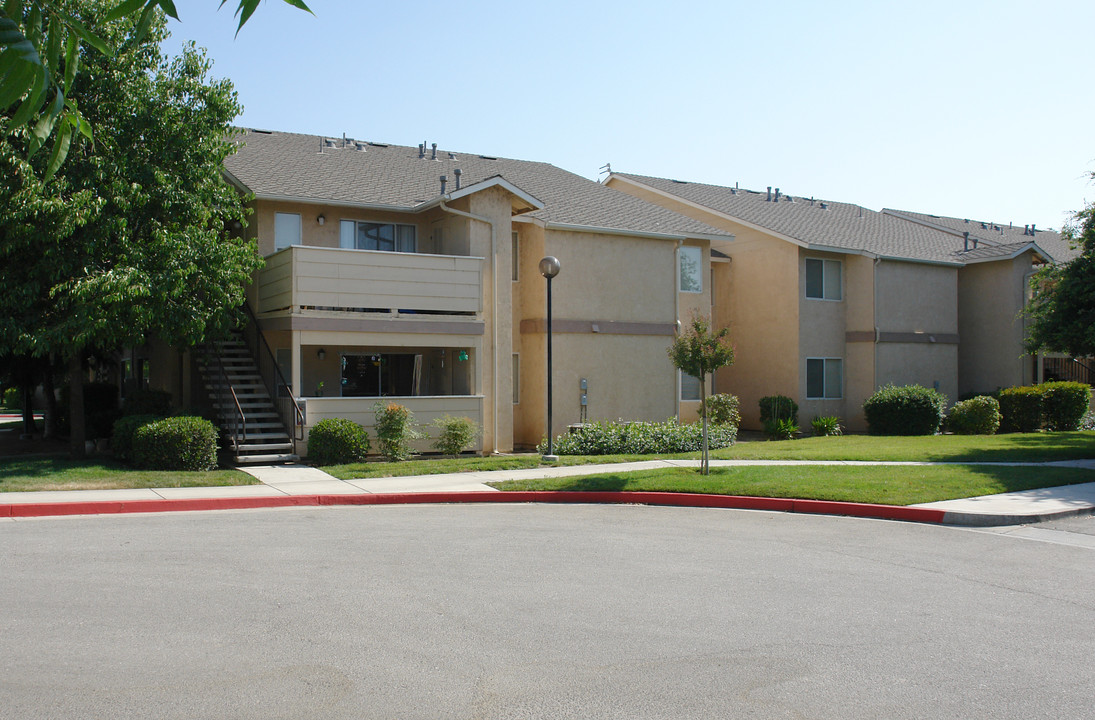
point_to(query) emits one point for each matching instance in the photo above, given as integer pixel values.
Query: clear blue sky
(963, 108)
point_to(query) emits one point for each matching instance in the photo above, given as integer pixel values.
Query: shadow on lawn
(1041, 447)
(604, 483)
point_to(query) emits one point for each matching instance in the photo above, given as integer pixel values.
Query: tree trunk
(77, 430)
(704, 464)
(28, 409)
(49, 424)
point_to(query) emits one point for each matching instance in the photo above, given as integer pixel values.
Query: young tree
(133, 238)
(1062, 310)
(699, 352)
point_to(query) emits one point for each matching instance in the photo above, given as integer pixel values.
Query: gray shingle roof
(303, 167)
(989, 233)
(819, 223)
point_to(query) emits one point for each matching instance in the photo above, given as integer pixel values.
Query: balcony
(369, 281)
(426, 410)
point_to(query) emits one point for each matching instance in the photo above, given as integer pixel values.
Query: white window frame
(342, 238)
(824, 379)
(826, 291)
(693, 253)
(681, 375)
(279, 238)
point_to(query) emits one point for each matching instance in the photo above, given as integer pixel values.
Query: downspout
(493, 313)
(677, 310)
(874, 318)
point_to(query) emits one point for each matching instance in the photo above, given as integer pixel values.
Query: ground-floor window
(381, 375)
(824, 378)
(690, 387)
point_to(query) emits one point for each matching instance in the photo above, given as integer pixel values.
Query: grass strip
(61, 473)
(435, 466)
(884, 485)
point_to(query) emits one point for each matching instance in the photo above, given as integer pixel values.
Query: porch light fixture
(321, 354)
(321, 219)
(549, 268)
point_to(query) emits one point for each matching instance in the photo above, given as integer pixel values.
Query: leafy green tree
(132, 238)
(699, 352)
(1062, 310)
(40, 42)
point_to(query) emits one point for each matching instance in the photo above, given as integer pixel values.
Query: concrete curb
(821, 507)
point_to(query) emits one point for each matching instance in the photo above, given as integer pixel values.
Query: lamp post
(549, 268)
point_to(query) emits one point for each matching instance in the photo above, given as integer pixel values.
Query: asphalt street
(535, 611)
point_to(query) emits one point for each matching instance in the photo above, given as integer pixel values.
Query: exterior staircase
(245, 410)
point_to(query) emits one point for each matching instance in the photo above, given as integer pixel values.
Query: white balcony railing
(426, 409)
(332, 278)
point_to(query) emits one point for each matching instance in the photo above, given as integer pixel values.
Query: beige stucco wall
(991, 296)
(605, 279)
(822, 325)
(922, 299)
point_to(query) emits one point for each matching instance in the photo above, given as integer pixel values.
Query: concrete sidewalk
(280, 482)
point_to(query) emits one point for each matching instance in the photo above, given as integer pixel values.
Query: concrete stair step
(266, 459)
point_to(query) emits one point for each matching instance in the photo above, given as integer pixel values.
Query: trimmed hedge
(905, 410)
(976, 416)
(13, 398)
(335, 441)
(121, 441)
(778, 407)
(1064, 404)
(176, 443)
(1021, 409)
(640, 438)
(722, 409)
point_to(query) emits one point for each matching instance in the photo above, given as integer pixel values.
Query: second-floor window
(690, 265)
(389, 237)
(823, 279)
(286, 230)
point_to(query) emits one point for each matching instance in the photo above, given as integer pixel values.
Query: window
(516, 377)
(824, 378)
(286, 230)
(690, 264)
(823, 279)
(389, 237)
(690, 387)
(381, 375)
(513, 240)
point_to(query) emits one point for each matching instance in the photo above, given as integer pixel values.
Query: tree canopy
(40, 56)
(699, 352)
(1062, 309)
(135, 236)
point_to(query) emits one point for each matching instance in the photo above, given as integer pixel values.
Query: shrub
(781, 429)
(395, 429)
(640, 438)
(147, 402)
(334, 441)
(778, 407)
(826, 425)
(121, 440)
(976, 416)
(1087, 422)
(456, 434)
(1064, 404)
(13, 398)
(722, 409)
(176, 443)
(905, 410)
(1020, 409)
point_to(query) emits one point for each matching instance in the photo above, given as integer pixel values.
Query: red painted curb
(888, 512)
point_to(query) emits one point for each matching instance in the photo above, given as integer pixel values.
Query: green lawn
(61, 473)
(887, 485)
(431, 466)
(1013, 447)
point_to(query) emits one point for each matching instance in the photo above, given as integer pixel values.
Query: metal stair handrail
(253, 344)
(239, 419)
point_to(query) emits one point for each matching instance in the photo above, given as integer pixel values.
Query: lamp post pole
(549, 268)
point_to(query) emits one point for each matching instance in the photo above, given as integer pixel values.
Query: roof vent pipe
(1032, 230)
(434, 156)
(457, 172)
(965, 241)
(1026, 229)
(777, 194)
(769, 194)
(421, 151)
(444, 180)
